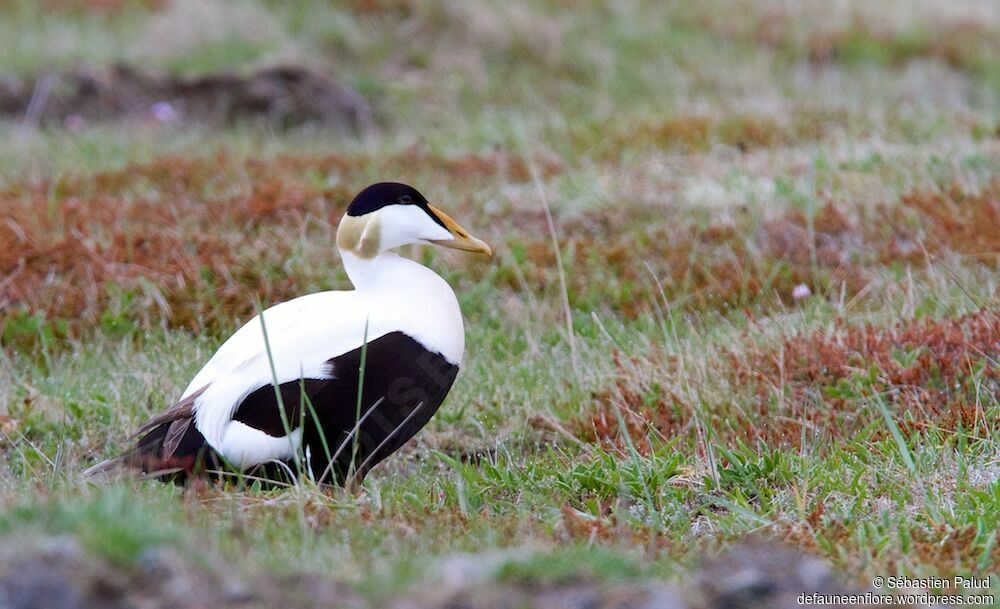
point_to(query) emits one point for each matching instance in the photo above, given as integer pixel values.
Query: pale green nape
(359, 235)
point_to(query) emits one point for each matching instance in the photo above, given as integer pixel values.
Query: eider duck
(329, 384)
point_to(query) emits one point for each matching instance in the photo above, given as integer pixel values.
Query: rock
(56, 576)
(762, 574)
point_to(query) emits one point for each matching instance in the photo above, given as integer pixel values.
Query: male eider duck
(358, 372)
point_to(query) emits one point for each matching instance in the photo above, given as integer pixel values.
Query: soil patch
(286, 96)
(58, 573)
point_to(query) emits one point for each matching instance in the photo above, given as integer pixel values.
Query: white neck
(384, 271)
(417, 297)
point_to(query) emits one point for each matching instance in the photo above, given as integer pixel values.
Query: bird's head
(389, 214)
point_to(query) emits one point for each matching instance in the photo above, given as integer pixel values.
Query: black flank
(407, 381)
(258, 409)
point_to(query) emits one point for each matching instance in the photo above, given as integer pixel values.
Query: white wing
(303, 334)
(341, 309)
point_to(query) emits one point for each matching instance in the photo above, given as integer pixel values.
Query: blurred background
(600, 79)
(745, 283)
(626, 112)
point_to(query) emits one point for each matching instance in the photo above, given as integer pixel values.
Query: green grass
(696, 171)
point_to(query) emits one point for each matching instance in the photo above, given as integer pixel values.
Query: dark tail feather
(105, 470)
(172, 449)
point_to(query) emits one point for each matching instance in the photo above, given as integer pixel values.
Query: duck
(327, 385)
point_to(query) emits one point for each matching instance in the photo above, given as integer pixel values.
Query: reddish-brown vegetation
(195, 242)
(699, 132)
(962, 44)
(101, 7)
(638, 398)
(189, 242)
(191, 257)
(952, 550)
(820, 34)
(929, 373)
(966, 223)
(713, 265)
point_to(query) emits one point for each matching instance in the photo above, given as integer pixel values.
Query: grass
(642, 387)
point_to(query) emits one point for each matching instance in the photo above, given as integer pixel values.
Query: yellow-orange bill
(463, 240)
